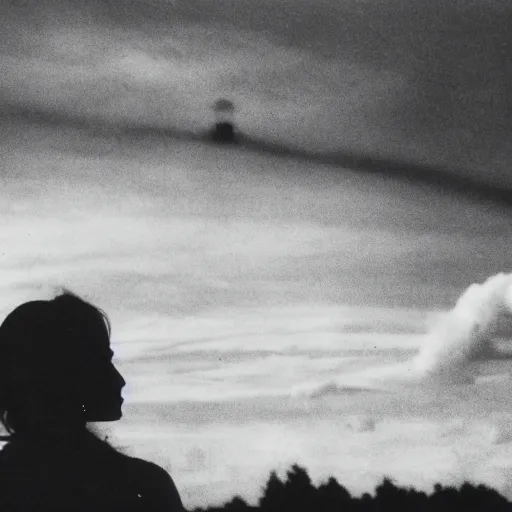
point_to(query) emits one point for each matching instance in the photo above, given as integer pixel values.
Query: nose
(122, 382)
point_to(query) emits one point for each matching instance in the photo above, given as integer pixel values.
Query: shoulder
(155, 486)
(150, 471)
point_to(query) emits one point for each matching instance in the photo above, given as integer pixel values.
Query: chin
(105, 415)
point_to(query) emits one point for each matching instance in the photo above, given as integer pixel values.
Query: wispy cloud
(453, 350)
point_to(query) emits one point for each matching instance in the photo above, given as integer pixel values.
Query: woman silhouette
(56, 374)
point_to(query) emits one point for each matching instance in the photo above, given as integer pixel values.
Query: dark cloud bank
(414, 81)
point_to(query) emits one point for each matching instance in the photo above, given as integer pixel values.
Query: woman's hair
(48, 349)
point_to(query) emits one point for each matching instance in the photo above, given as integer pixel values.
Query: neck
(53, 432)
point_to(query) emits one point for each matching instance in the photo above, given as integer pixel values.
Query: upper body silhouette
(56, 375)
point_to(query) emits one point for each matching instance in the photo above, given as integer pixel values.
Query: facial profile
(56, 365)
(102, 399)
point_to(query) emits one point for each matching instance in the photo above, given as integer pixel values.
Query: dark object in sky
(224, 105)
(56, 374)
(224, 132)
(224, 128)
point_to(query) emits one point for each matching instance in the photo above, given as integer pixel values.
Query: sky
(428, 82)
(268, 310)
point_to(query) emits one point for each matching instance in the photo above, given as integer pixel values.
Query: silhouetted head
(56, 367)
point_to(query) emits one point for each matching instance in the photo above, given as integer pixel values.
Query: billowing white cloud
(453, 351)
(463, 338)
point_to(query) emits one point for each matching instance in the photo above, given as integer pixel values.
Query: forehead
(92, 338)
(98, 343)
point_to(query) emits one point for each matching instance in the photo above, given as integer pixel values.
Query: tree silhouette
(445, 499)
(333, 496)
(417, 500)
(301, 494)
(365, 503)
(298, 494)
(390, 498)
(237, 504)
(274, 494)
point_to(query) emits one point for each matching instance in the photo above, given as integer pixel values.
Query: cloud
(501, 430)
(110, 77)
(453, 352)
(361, 424)
(147, 63)
(196, 459)
(463, 338)
(328, 389)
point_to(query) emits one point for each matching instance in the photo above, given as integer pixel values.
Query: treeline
(298, 494)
